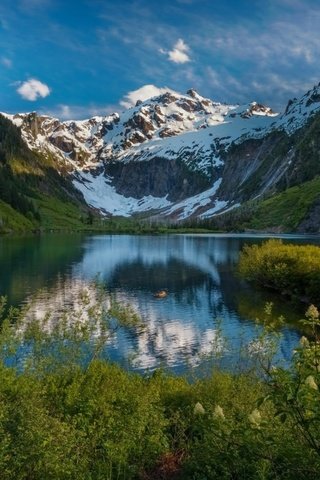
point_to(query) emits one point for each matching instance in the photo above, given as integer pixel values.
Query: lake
(208, 309)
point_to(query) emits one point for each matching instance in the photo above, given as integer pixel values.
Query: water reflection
(28, 264)
(72, 301)
(206, 303)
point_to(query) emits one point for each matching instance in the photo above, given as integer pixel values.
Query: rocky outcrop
(260, 167)
(253, 168)
(158, 177)
(140, 121)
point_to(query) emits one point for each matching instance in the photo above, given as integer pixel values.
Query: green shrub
(66, 413)
(290, 269)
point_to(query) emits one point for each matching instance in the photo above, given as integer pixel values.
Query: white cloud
(179, 53)
(32, 89)
(6, 62)
(143, 93)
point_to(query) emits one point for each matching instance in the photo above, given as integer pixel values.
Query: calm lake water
(206, 300)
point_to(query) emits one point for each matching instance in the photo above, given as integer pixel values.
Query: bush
(66, 413)
(293, 270)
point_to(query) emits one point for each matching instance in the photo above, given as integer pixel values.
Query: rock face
(182, 155)
(157, 177)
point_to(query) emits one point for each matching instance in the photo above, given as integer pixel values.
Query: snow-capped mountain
(172, 155)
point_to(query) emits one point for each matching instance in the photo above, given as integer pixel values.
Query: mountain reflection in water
(206, 302)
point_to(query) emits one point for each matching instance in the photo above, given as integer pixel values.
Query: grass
(287, 209)
(11, 220)
(59, 215)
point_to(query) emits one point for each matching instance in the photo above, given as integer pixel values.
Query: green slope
(11, 220)
(287, 209)
(281, 212)
(33, 194)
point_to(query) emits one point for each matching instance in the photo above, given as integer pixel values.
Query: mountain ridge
(176, 156)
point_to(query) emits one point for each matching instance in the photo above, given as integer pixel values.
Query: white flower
(310, 381)
(304, 342)
(312, 312)
(198, 409)
(218, 412)
(255, 417)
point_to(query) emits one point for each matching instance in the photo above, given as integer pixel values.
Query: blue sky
(75, 59)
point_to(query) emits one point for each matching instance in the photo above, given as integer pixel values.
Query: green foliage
(31, 185)
(287, 209)
(11, 220)
(11, 143)
(68, 414)
(293, 270)
(14, 155)
(57, 214)
(294, 392)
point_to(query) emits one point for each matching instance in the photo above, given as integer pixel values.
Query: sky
(77, 58)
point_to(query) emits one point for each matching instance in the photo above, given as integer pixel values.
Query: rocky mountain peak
(165, 149)
(117, 136)
(258, 109)
(192, 93)
(298, 110)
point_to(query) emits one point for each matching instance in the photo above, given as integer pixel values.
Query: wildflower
(255, 417)
(304, 342)
(198, 409)
(218, 412)
(312, 312)
(310, 381)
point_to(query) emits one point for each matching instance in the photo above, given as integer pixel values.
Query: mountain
(32, 191)
(178, 157)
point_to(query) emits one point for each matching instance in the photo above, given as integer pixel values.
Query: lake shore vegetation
(68, 413)
(292, 270)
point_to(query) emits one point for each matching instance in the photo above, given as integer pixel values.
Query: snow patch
(98, 193)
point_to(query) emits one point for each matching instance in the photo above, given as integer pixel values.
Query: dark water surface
(206, 299)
